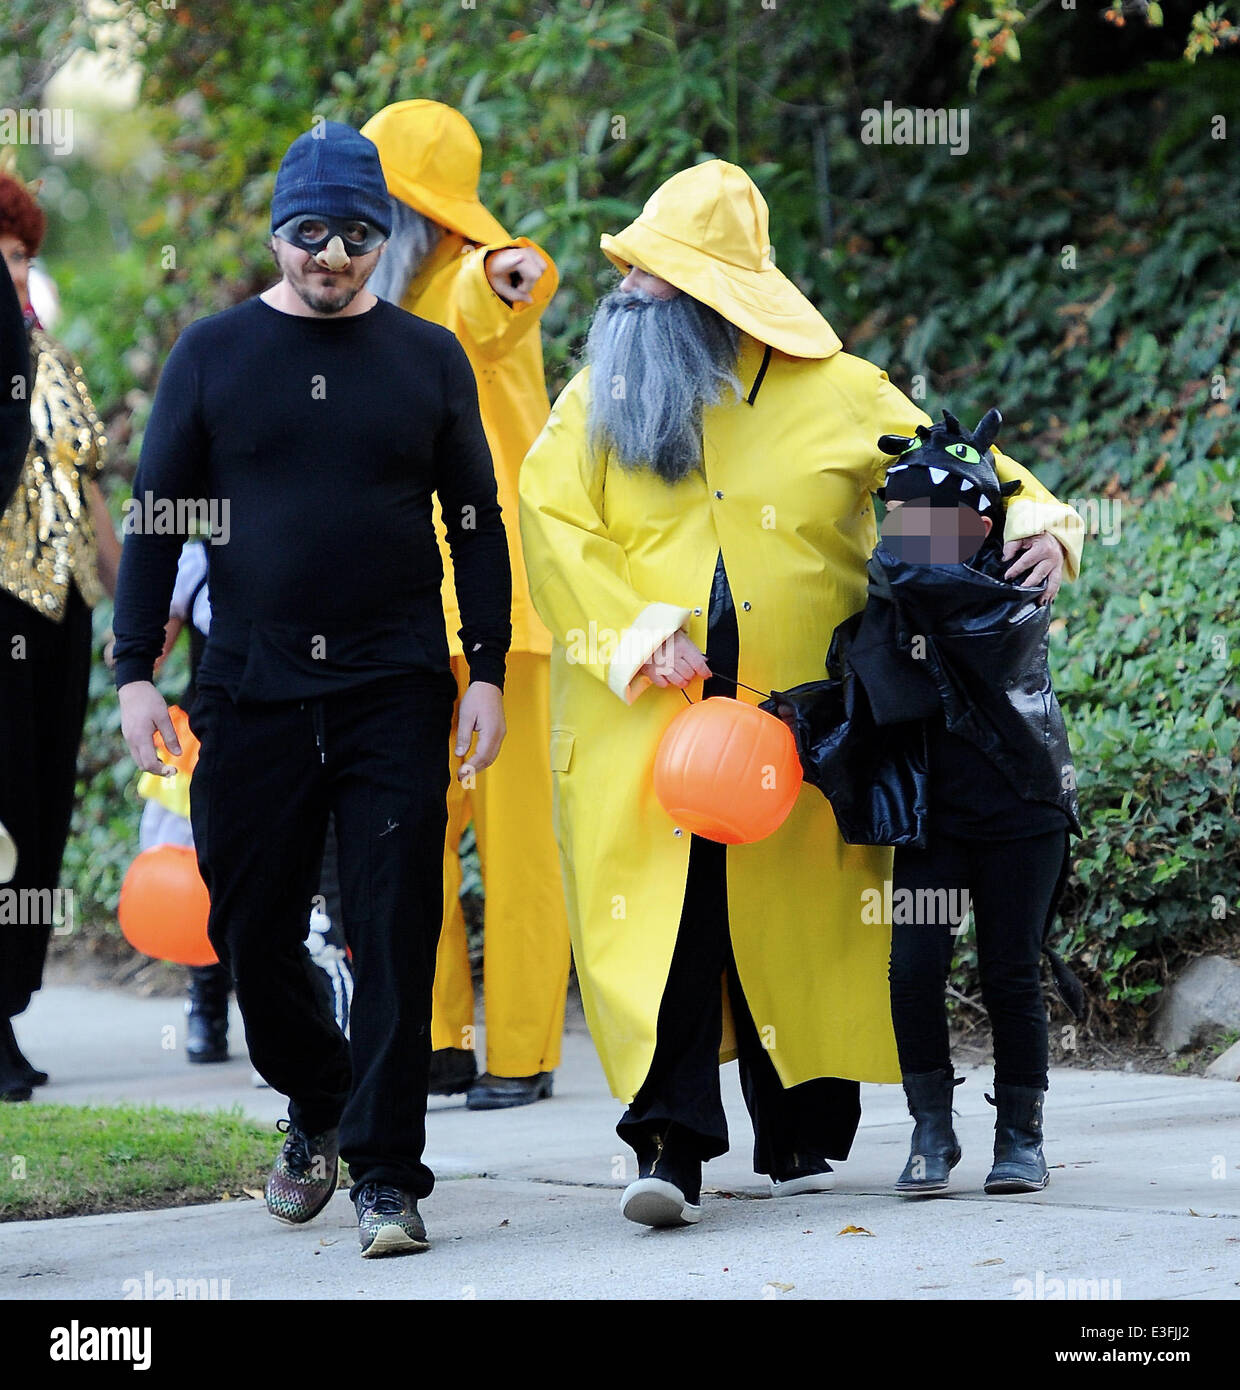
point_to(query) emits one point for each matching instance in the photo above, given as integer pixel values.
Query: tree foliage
(1073, 265)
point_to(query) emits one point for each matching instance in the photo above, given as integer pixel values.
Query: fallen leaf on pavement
(255, 1193)
(854, 1231)
(995, 1261)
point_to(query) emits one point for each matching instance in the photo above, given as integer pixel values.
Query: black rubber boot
(18, 1062)
(13, 1083)
(1019, 1164)
(206, 1009)
(934, 1150)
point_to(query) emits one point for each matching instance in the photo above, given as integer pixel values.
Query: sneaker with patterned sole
(304, 1176)
(387, 1221)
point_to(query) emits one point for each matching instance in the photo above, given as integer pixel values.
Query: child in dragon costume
(938, 732)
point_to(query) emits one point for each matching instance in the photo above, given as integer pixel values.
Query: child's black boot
(1019, 1164)
(934, 1151)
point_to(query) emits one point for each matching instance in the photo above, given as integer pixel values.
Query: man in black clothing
(313, 424)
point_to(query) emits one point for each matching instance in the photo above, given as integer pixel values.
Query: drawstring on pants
(320, 733)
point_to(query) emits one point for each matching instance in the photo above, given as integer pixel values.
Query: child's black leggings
(1012, 886)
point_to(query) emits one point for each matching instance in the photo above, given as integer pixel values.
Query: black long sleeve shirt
(314, 445)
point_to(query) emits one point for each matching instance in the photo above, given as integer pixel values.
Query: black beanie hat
(333, 170)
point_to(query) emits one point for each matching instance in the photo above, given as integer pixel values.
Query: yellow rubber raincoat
(619, 560)
(431, 160)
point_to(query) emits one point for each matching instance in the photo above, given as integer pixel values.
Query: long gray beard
(654, 364)
(413, 238)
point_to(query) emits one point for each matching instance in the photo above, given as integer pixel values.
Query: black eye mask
(357, 235)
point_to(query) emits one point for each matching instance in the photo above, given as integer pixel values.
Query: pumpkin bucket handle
(766, 694)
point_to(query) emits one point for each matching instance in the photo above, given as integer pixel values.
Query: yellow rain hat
(431, 160)
(706, 232)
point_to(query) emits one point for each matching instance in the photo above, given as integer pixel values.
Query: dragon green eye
(964, 452)
(914, 443)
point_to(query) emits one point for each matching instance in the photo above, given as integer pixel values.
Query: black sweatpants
(680, 1097)
(1014, 888)
(44, 679)
(267, 777)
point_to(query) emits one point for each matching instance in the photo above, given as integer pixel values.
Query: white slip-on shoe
(806, 1182)
(654, 1202)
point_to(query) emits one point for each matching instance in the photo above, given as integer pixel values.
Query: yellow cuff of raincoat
(172, 793)
(493, 324)
(638, 643)
(1026, 516)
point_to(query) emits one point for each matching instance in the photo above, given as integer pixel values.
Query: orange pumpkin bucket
(164, 905)
(727, 771)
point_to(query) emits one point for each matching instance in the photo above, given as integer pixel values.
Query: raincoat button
(678, 832)
(697, 612)
(746, 606)
(719, 495)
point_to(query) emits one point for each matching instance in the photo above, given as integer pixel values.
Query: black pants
(1014, 888)
(268, 775)
(680, 1097)
(44, 679)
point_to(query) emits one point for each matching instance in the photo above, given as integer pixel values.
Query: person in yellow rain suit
(450, 261)
(697, 506)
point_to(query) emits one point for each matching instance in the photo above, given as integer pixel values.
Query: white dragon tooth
(897, 467)
(982, 503)
(937, 475)
(965, 485)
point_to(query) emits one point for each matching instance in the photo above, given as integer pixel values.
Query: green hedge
(1148, 671)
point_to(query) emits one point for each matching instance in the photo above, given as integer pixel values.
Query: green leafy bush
(1148, 670)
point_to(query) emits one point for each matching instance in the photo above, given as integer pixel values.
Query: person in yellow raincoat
(699, 504)
(450, 261)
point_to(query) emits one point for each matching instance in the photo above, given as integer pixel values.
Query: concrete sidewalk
(1144, 1199)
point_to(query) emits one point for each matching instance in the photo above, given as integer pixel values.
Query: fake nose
(333, 256)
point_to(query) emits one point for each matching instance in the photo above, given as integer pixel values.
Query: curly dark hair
(20, 215)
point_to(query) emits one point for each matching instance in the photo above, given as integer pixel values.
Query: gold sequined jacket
(47, 537)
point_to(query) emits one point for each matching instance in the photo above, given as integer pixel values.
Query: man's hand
(677, 662)
(143, 710)
(514, 272)
(1042, 556)
(482, 710)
